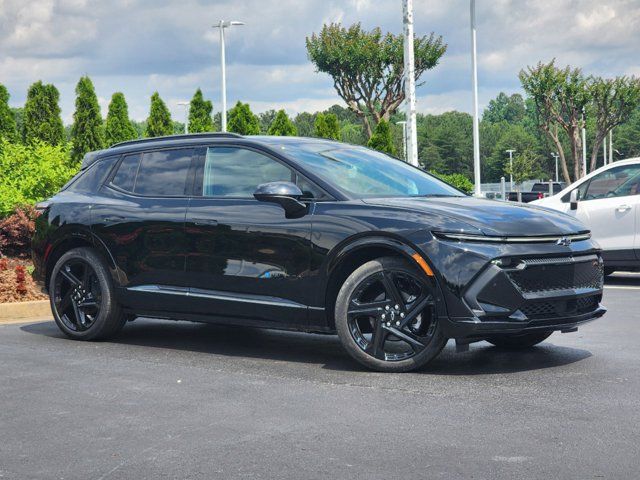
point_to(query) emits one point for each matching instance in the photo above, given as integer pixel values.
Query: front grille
(560, 308)
(540, 275)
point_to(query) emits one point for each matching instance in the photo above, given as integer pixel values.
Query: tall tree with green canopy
(612, 102)
(327, 126)
(242, 120)
(282, 125)
(8, 130)
(118, 126)
(87, 132)
(382, 140)
(367, 67)
(505, 108)
(159, 122)
(42, 121)
(200, 114)
(561, 96)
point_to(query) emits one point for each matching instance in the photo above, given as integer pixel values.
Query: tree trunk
(553, 135)
(596, 150)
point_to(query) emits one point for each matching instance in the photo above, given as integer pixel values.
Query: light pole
(474, 83)
(510, 152)
(584, 146)
(555, 155)
(410, 84)
(186, 115)
(404, 137)
(222, 25)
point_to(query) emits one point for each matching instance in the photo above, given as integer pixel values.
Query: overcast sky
(139, 46)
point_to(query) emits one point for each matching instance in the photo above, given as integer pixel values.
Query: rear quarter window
(90, 180)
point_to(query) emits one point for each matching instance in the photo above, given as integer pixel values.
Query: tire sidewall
(432, 349)
(104, 322)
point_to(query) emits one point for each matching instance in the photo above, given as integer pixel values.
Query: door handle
(205, 221)
(623, 208)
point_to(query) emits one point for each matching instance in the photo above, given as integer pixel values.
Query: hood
(491, 217)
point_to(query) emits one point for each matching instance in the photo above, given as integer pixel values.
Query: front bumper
(496, 289)
(475, 329)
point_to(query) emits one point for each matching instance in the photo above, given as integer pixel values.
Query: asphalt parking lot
(186, 401)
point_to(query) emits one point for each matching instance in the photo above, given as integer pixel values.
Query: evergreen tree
(327, 126)
(8, 129)
(87, 132)
(242, 120)
(159, 122)
(42, 119)
(118, 126)
(381, 139)
(282, 125)
(200, 114)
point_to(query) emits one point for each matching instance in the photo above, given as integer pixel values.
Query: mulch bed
(16, 284)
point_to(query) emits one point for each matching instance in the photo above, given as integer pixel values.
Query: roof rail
(178, 137)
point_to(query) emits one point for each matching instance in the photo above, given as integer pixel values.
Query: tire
(423, 330)
(83, 304)
(519, 341)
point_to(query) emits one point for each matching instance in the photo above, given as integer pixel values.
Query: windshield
(362, 173)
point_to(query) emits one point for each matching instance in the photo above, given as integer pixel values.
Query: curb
(19, 312)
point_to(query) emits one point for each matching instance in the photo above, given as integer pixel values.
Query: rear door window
(163, 173)
(125, 177)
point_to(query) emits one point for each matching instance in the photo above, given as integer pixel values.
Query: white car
(608, 203)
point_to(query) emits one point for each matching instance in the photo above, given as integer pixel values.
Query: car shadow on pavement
(622, 279)
(321, 350)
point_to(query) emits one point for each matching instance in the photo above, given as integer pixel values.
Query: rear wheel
(82, 296)
(519, 341)
(386, 316)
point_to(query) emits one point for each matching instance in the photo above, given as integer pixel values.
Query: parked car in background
(608, 202)
(538, 190)
(311, 235)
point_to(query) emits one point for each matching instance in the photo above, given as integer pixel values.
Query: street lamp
(474, 83)
(510, 152)
(555, 155)
(404, 137)
(186, 115)
(222, 25)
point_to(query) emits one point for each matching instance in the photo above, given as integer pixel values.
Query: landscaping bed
(16, 284)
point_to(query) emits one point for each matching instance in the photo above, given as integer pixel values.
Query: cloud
(139, 46)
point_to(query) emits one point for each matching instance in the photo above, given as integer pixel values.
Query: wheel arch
(356, 252)
(75, 239)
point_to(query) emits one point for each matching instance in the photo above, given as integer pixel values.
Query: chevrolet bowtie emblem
(564, 241)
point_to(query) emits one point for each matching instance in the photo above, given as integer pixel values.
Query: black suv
(312, 235)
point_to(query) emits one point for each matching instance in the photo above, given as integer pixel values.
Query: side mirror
(285, 194)
(573, 199)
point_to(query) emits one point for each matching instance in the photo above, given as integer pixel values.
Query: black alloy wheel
(77, 295)
(82, 296)
(388, 320)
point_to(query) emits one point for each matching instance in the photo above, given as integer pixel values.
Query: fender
(370, 239)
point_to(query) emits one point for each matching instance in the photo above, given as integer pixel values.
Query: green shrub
(30, 173)
(458, 180)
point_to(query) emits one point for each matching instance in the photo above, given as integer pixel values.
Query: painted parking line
(620, 287)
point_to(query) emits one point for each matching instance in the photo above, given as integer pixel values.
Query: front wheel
(82, 296)
(386, 316)
(519, 341)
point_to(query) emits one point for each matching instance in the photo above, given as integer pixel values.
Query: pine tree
(42, 121)
(200, 114)
(118, 127)
(242, 120)
(87, 132)
(159, 122)
(327, 126)
(8, 129)
(381, 139)
(282, 125)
